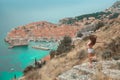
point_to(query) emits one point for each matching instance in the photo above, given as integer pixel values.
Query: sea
(15, 13)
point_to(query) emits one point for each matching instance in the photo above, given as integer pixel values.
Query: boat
(40, 47)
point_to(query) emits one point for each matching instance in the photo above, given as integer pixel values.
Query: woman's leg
(90, 56)
(94, 58)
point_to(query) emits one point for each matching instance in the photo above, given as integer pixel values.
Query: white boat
(40, 47)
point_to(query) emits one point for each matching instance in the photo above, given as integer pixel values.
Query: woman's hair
(93, 39)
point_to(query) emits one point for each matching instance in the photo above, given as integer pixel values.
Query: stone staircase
(83, 72)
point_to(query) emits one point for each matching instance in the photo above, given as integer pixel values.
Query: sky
(20, 12)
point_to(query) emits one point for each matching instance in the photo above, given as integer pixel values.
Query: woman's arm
(88, 43)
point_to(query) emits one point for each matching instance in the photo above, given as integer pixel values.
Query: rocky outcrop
(83, 72)
(89, 29)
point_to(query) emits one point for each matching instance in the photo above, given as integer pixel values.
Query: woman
(90, 44)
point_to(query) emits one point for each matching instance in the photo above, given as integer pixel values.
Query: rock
(83, 72)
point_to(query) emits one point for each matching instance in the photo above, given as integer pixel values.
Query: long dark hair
(93, 39)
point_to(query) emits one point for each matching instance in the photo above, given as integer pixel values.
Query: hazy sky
(20, 12)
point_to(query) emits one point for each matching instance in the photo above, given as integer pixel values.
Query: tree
(65, 45)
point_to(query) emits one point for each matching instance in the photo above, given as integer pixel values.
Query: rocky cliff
(102, 70)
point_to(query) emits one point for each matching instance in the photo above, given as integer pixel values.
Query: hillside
(109, 34)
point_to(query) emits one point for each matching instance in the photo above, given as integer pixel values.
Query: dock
(40, 47)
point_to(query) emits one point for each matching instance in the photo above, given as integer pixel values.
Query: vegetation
(27, 69)
(114, 15)
(97, 15)
(114, 45)
(52, 53)
(116, 57)
(67, 21)
(107, 54)
(65, 45)
(79, 34)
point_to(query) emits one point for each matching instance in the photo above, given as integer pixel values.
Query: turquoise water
(16, 59)
(20, 12)
(13, 61)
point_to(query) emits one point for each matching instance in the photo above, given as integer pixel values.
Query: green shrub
(79, 34)
(99, 25)
(114, 15)
(67, 21)
(116, 57)
(97, 15)
(28, 68)
(106, 54)
(114, 45)
(52, 53)
(65, 45)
